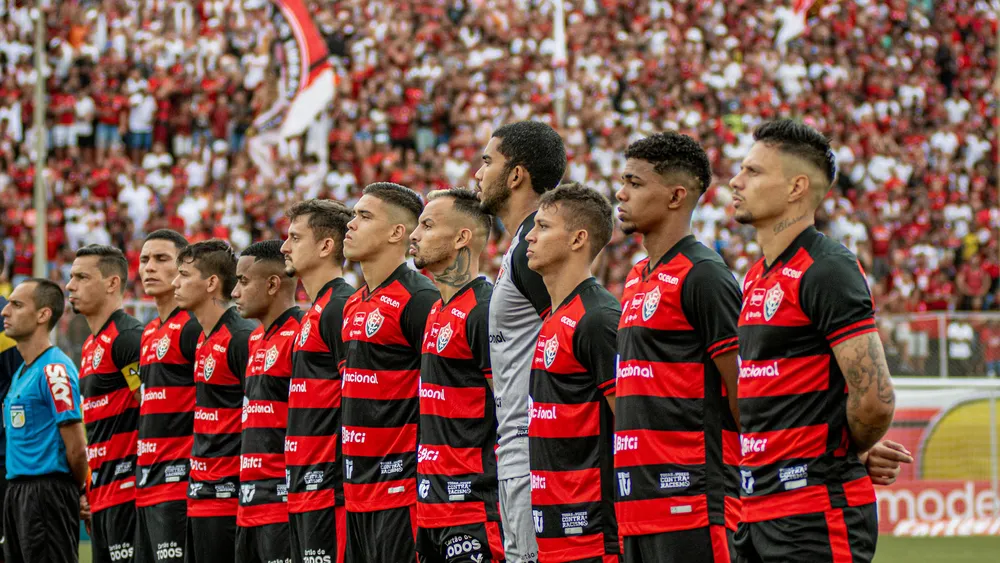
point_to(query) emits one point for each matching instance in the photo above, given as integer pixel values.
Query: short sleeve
(834, 295)
(331, 322)
(61, 392)
(477, 333)
(528, 281)
(414, 318)
(125, 355)
(711, 302)
(238, 353)
(594, 344)
(189, 339)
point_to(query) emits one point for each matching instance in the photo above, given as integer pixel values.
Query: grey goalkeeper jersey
(519, 303)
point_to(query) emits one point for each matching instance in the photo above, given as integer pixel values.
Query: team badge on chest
(650, 303)
(444, 337)
(373, 323)
(270, 358)
(98, 356)
(549, 353)
(772, 301)
(162, 347)
(304, 332)
(209, 367)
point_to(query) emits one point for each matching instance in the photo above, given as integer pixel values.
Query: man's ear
(580, 239)
(799, 188)
(677, 197)
(517, 177)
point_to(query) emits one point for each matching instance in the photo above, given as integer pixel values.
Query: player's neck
(165, 304)
(518, 208)
(314, 281)
(564, 279)
(33, 347)
(379, 268)
(98, 320)
(451, 279)
(209, 312)
(777, 235)
(277, 308)
(661, 240)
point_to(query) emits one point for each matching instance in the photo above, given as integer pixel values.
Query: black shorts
(710, 544)
(42, 519)
(210, 540)
(263, 544)
(318, 536)
(160, 532)
(3, 493)
(471, 543)
(112, 537)
(383, 536)
(841, 534)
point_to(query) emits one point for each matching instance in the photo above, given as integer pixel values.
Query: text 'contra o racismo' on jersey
(796, 453)
(676, 454)
(109, 377)
(571, 427)
(263, 486)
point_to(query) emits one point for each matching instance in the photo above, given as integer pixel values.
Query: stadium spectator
(904, 90)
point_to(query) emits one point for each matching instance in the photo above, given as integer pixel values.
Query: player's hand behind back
(883, 461)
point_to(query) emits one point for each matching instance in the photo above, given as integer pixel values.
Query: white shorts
(63, 136)
(519, 542)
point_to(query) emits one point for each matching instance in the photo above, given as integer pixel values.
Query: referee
(46, 446)
(10, 360)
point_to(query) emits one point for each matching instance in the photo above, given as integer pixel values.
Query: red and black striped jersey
(676, 454)
(312, 446)
(166, 414)
(797, 456)
(456, 463)
(263, 487)
(220, 366)
(571, 428)
(383, 331)
(109, 378)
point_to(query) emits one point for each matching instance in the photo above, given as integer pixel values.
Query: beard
(629, 228)
(289, 270)
(495, 196)
(743, 217)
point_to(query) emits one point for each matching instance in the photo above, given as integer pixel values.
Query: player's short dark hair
(48, 295)
(397, 196)
(326, 218)
(169, 235)
(676, 157)
(111, 261)
(265, 251)
(538, 148)
(583, 208)
(801, 141)
(212, 258)
(466, 202)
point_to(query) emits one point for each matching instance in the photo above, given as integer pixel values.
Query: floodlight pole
(40, 263)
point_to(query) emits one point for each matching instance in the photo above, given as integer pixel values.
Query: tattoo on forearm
(863, 363)
(785, 223)
(458, 273)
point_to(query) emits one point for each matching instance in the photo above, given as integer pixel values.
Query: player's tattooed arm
(458, 274)
(871, 398)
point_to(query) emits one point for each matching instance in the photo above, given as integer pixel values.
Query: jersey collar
(584, 285)
(281, 320)
(113, 318)
(470, 285)
(395, 275)
(805, 238)
(328, 286)
(225, 319)
(666, 258)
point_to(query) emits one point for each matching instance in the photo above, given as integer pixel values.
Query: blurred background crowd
(151, 103)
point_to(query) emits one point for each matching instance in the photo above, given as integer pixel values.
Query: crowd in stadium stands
(151, 103)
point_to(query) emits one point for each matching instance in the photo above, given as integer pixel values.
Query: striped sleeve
(477, 333)
(835, 296)
(711, 301)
